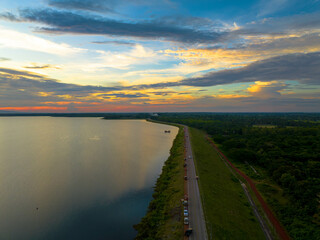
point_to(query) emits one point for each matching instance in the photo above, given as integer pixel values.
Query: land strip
(227, 211)
(163, 219)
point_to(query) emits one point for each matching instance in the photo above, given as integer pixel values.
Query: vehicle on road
(188, 232)
(185, 213)
(186, 221)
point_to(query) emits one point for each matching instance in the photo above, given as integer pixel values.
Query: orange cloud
(68, 103)
(257, 86)
(231, 96)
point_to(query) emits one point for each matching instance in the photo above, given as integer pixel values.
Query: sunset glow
(148, 56)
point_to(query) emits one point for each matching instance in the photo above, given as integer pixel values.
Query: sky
(159, 56)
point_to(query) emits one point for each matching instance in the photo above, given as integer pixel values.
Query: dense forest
(285, 145)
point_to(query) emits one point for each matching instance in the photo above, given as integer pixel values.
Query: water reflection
(81, 178)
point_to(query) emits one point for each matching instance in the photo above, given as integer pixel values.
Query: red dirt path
(276, 224)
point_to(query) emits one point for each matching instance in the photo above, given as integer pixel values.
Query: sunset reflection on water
(76, 177)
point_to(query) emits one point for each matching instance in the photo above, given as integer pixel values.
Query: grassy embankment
(227, 211)
(164, 217)
(270, 191)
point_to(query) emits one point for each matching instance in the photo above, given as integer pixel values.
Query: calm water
(77, 178)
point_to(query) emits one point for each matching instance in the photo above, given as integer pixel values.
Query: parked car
(188, 232)
(186, 221)
(185, 213)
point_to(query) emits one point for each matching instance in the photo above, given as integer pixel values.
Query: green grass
(164, 217)
(227, 210)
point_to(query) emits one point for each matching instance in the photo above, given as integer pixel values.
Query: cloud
(17, 40)
(267, 90)
(281, 25)
(105, 6)
(297, 67)
(300, 67)
(254, 104)
(4, 59)
(12, 72)
(46, 66)
(26, 91)
(75, 23)
(303, 68)
(10, 17)
(38, 85)
(290, 43)
(122, 60)
(271, 6)
(89, 5)
(123, 95)
(125, 43)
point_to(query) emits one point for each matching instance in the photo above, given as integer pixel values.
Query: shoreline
(163, 219)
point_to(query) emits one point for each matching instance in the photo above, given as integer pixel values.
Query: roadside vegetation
(164, 216)
(285, 159)
(227, 211)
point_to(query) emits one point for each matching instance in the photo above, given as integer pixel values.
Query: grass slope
(227, 211)
(164, 217)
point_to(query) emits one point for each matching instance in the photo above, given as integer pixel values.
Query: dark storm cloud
(75, 23)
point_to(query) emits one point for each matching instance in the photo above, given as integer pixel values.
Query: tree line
(286, 145)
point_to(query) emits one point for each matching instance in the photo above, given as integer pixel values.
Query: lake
(78, 178)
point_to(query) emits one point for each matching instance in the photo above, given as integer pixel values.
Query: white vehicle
(186, 221)
(185, 213)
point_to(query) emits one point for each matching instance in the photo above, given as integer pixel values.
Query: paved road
(196, 216)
